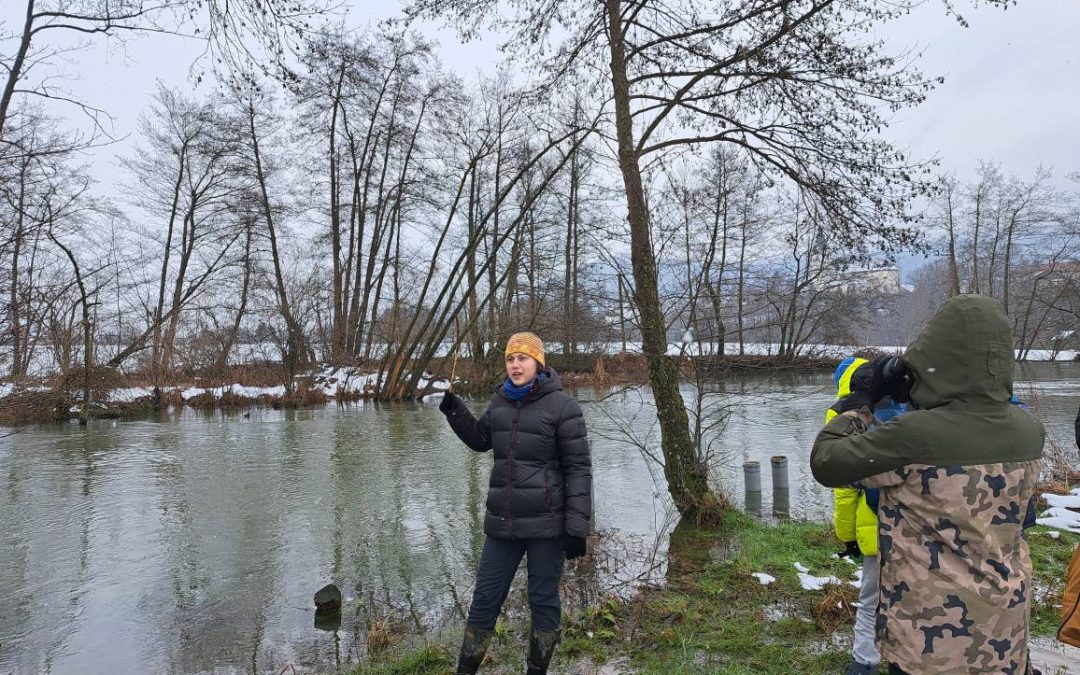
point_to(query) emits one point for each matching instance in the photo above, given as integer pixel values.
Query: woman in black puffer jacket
(539, 499)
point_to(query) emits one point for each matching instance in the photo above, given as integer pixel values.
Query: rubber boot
(473, 648)
(856, 668)
(541, 648)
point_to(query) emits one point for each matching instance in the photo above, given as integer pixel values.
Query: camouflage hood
(964, 353)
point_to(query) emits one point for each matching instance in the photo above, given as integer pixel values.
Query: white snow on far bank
(129, 394)
(334, 380)
(704, 348)
(235, 389)
(436, 385)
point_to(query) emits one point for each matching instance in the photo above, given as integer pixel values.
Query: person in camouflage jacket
(956, 477)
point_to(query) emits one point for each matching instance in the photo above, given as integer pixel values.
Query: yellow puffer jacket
(853, 519)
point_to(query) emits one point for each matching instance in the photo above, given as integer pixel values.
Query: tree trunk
(294, 341)
(230, 338)
(17, 346)
(494, 250)
(87, 325)
(954, 268)
(687, 477)
(187, 249)
(568, 254)
(979, 198)
(622, 314)
(15, 71)
(721, 219)
(470, 268)
(741, 290)
(337, 328)
(159, 310)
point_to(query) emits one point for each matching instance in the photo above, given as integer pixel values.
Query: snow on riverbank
(237, 390)
(43, 364)
(333, 382)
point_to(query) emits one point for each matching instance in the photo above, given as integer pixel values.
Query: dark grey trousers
(498, 565)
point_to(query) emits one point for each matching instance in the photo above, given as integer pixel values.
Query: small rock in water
(328, 599)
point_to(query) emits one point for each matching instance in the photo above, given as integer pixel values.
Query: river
(193, 542)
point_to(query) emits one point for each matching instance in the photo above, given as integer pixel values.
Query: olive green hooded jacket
(956, 477)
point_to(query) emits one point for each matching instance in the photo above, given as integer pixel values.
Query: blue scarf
(516, 393)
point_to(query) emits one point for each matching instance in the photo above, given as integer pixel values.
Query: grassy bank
(712, 616)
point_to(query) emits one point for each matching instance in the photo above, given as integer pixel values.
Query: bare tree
(259, 126)
(239, 35)
(793, 83)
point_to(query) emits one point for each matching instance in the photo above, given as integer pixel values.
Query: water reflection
(193, 542)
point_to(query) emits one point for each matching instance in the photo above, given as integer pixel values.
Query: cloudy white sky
(1011, 94)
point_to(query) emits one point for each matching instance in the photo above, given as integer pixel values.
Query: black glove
(851, 550)
(575, 547)
(449, 402)
(891, 377)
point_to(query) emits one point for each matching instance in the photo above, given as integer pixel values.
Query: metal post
(781, 496)
(752, 481)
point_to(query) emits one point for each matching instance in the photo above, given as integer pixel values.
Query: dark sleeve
(475, 433)
(1032, 513)
(576, 465)
(842, 454)
(1077, 428)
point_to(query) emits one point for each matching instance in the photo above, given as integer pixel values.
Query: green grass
(1050, 561)
(711, 616)
(428, 659)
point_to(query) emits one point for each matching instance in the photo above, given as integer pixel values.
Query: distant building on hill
(882, 280)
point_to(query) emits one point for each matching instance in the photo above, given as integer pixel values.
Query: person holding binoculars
(855, 511)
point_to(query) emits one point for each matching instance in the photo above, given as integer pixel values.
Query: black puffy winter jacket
(541, 484)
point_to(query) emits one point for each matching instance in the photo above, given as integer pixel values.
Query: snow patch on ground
(1061, 519)
(763, 579)
(1069, 501)
(1064, 511)
(809, 582)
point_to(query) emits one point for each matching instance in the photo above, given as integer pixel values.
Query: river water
(193, 542)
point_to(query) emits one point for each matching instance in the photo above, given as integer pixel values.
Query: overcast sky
(1011, 94)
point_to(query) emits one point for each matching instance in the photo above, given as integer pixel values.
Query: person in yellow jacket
(856, 525)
